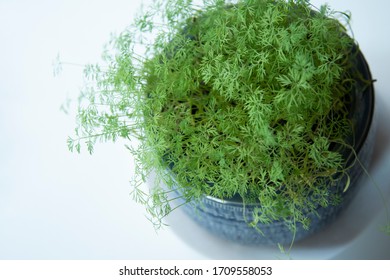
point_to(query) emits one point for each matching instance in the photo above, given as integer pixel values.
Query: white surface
(58, 205)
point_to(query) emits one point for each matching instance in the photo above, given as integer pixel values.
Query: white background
(59, 205)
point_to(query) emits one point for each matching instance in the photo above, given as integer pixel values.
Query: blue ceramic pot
(229, 219)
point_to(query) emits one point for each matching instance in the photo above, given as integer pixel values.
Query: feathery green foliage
(229, 100)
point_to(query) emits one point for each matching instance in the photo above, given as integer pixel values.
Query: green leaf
(347, 183)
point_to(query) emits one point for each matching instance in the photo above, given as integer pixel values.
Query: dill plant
(244, 101)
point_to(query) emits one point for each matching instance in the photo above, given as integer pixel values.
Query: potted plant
(253, 116)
